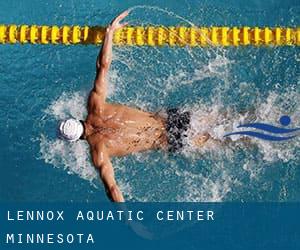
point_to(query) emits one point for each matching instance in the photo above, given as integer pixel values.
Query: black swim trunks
(177, 125)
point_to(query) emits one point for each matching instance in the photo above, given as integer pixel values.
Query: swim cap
(70, 129)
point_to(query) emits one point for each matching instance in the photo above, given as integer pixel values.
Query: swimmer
(114, 130)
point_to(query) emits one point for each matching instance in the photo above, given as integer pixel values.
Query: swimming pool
(42, 84)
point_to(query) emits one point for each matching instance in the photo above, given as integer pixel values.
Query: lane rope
(152, 35)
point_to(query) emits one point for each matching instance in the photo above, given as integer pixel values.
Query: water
(42, 84)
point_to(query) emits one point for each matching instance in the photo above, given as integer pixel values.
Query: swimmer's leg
(200, 140)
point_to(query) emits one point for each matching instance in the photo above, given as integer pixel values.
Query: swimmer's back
(126, 130)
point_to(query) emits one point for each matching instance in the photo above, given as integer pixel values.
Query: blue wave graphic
(262, 136)
(269, 128)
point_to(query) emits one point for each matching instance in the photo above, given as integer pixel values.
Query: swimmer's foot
(200, 140)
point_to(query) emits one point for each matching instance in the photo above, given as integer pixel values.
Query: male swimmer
(117, 130)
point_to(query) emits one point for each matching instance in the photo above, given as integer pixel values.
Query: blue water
(42, 84)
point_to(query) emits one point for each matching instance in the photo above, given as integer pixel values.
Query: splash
(218, 88)
(68, 105)
(192, 185)
(73, 158)
(217, 120)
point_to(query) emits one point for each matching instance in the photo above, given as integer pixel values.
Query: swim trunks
(177, 125)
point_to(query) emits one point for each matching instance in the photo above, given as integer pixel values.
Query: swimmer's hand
(115, 24)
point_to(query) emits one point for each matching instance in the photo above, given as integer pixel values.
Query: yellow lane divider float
(152, 36)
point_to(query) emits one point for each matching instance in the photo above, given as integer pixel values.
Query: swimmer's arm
(105, 56)
(102, 65)
(103, 164)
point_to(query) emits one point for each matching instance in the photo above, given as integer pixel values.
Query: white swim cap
(70, 130)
